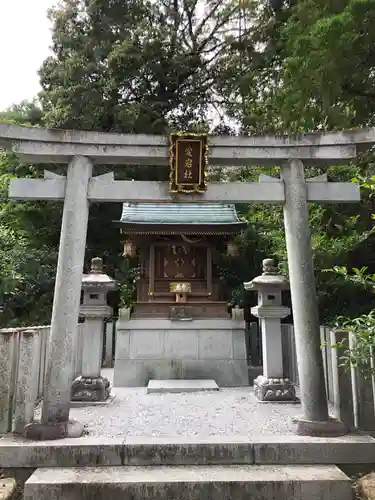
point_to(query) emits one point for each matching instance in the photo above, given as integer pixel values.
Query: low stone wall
(23, 361)
(164, 349)
(22, 369)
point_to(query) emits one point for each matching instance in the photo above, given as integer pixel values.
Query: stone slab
(190, 483)
(180, 344)
(216, 344)
(168, 325)
(79, 452)
(180, 450)
(163, 349)
(168, 386)
(175, 344)
(311, 450)
(16, 452)
(138, 372)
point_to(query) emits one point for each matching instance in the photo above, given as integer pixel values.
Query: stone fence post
(363, 394)
(341, 379)
(44, 332)
(78, 351)
(8, 358)
(27, 380)
(108, 354)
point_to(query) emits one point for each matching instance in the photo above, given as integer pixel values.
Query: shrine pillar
(57, 389)
(315, 420)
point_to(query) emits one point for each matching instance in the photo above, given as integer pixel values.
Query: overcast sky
(25, 39)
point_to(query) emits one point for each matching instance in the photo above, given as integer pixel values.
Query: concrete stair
(180, 386)
(189, 468)
(204, 482)
(194, 450)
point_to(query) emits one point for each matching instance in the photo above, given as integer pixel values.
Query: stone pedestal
(90, 386)
(271, 386)
(274, 389)
(149, 349)
(90, 389)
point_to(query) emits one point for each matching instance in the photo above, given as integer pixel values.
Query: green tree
(251, 69)
(306, 66)
(328, 69)
(29, 237)
(25, 113)
(135, 65)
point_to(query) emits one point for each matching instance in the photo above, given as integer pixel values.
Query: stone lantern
(271, 386)
(90, 385)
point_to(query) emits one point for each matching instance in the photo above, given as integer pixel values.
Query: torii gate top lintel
(40, 145)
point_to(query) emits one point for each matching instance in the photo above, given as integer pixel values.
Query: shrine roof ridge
(179, 213)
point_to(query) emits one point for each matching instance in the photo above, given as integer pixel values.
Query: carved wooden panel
(179, 262)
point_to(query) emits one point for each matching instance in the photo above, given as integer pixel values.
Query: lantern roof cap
(96, 277)
(269, 279)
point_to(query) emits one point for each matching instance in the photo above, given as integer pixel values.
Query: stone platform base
(202, 482)
(149, 349)
(258, 449)
(177, 386)
(329, 428)
(39, 431)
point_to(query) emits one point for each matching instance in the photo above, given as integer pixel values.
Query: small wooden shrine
(177, 245)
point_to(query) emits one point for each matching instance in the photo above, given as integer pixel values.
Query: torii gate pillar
(55, 421)
(315, 419)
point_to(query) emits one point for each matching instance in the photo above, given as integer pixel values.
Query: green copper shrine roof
(211, 214)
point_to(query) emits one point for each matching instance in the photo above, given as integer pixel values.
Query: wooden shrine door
(180, 262)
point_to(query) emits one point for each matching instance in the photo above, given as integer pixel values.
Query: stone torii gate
(82, 150)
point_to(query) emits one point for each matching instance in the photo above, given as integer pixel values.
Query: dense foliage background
(224, 66)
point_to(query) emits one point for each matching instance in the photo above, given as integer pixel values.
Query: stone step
(181, 385)
(190, 483)
(16, 452)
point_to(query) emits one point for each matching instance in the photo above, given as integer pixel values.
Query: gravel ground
(228, 412)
